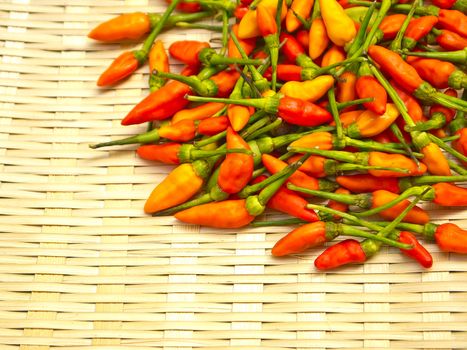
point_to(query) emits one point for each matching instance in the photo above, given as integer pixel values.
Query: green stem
(360, 37)
(142, 54)
(352, 231)
(437, 120)
(362, 200)
(342, 105)
(211, 139)
(188, 25)
(414, 191)
(225, 32)
(202, 87)
(285, 222)
(398, 134)
(265, 129)
(397, 42)
(457, 168)
(459, 56)
(147, 137)
(335, 114)
(375, 146)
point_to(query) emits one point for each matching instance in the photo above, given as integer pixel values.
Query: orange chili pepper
(126, 26)
(239, 116)
(435, 160)
(447, 194)
(321, 140)
(313, 166)
(440, 74)
(187, 51)
(347, 118)
(416, 215)
(301, 8)
(158, 61)
(334, 55)
(318, 38)
(451, 238)
(451, 41)
(213, 125)
(237, 168)
(248, 45)
(396, 161)
(200, 112)
(453, 20)
(182, 131)
(301, 239)
(180, 185)
(122, 67)
(346, 89)
(370, 124)
(391, 25)
(338, 205)
(166, 153)
(368, 86)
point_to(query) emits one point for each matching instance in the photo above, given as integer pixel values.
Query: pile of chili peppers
(350, 101)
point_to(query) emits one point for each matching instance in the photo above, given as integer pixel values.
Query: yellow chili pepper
(369, 123)
(318, 38)
(333, 55)
(301, 8)
(339, 26)
(248, 27)
(310, 90)
(435, 160)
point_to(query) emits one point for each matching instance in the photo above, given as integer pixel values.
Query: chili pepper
(248, 26)
(338, 205)
(370, 124)
(370, 246)
(381, 159)
(187, 6)
(346, 88)
(289, 202)
(240, 11)
(447, 194)
(301, 8)
(200, 112)
(233, 213)
(417, 29)
(333, 55)
(458, 57)
(390, 26)
(379, 201)
(292, 110)
(439, 73)
(176, 153)
(367, 86)
(406, 76)
(453, 20)
(310, 90)
(220, 84)
(212, 126)
(236, 169)
(303, 38)
(342, 253)
(126, 26)
(303, 238)
(122, 67)
(449, 40)
(361, 183)
(180, 185)
(450, 4)
(268, 28)
(158, 61)
(294, 52)
(434, 159)
(347, 118)
(339, 25)
(451, 238)
(318, 38)
(248, 45)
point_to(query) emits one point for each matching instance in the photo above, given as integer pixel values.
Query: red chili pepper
(240, 11)
(303, 38)
(461, 143)
(451, 238)
(362, 183)
(237, 168)
(418, 252)
(187, 51)
(453, 20)
(448, 113)
(214, 125)
(451, 41)
(417, 29)
(287, 72)
(189, 7)
(162, 103)
(294, 52)
(440, 74)
(444, 4)
(342, 253)
(368, 86)
(122, 67)
(447, 194)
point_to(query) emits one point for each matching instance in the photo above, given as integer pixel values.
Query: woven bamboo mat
(82, 267)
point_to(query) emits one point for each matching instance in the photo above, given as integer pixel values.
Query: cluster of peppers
(350, 101)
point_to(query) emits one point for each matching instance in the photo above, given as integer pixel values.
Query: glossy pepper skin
(248, 45)
(435, 160)
(299, 112)
(342, 207)
(393, 64)
(418, 252)
(300, 7)
(448, 194)
(361, 183)
(237, 168)
(158, 61)
(453, 20)
(416, 215)
(166, 153)
(417, 29)
(339, 26)
(342, 253)
(187, 51)
(200, 112)
(390, 25)
(318, 38)
(179, 186)
(122, 67)
(224, 214)
(451, 238)
(368, 86)
(440, 74)
(451, 41)
(396, 161)
(346, 88)
(301, 239)
(128, 26)
(310, 90)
